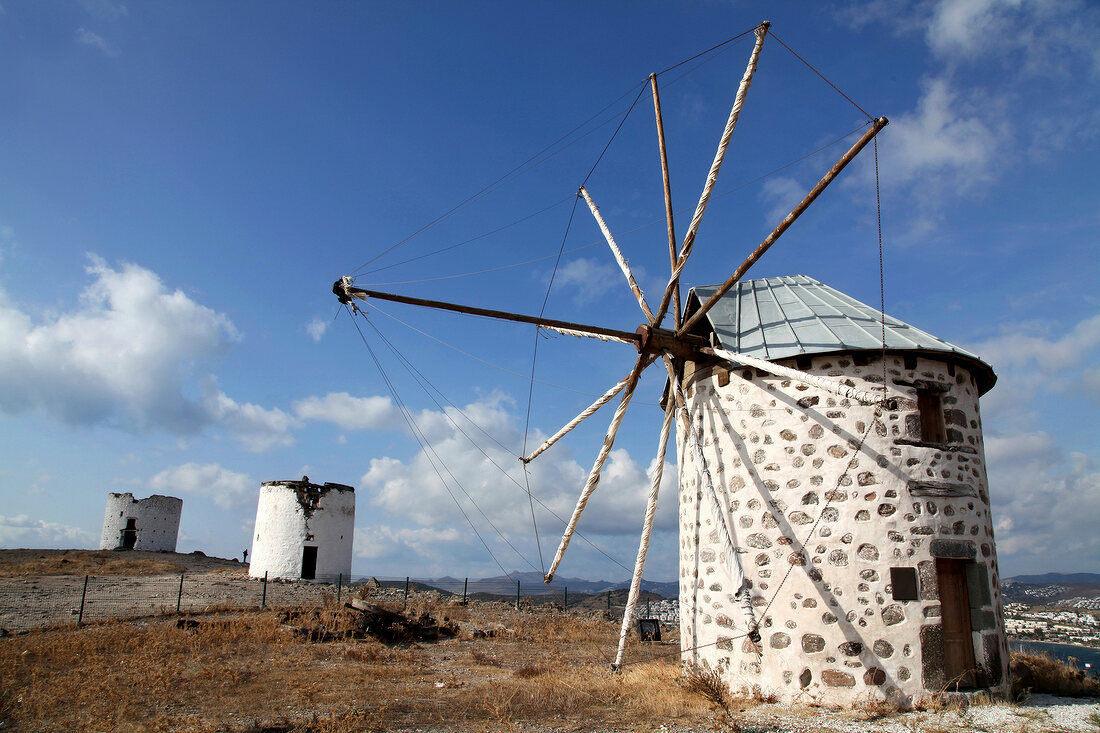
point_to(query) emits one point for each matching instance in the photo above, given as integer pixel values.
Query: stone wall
(823, 499)
(156, 522)
(291, 515)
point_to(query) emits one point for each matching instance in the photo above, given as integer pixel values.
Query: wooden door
(309, 563)
(958, 645)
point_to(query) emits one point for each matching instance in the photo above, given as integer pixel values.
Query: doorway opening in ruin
(958, 644)
(309, 563)
(129, 535)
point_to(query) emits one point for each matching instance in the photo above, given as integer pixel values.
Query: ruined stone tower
(303, 531)
(864, 532)
(141, 524)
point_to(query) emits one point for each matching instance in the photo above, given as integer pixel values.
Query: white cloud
(121, 356)
(316, 328)
(781, 194)
(105, 9)
(86, 37)
(256, 428)
(381, 541)
(227, 488)
(990, 60)
(1031, 344)
(590, 278)
(411, 492)
(22, 531)
(126, 356)
(1046, 503)
(939, 139)
(347, 412)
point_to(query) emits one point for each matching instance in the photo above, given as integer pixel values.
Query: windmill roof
(785, 317)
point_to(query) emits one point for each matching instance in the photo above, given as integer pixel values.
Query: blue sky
(181, 183)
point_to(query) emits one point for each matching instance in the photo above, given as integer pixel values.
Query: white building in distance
(151, 524)
(303, 531)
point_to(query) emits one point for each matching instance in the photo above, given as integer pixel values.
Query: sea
(1087, 657)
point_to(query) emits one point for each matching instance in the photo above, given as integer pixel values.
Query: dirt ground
(533, 670)
(40, 588)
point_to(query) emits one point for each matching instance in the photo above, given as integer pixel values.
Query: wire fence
(43, 601)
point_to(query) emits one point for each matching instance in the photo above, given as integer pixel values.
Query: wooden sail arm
(634, 287)
(670, 220)
(796, 212)
(597, 467)
(345, 292)
(712, 176)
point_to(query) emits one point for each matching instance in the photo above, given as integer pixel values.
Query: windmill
(683, 349)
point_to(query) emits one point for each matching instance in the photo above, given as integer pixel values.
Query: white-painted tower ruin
(151, 524)
(303, 531)
(863, 532)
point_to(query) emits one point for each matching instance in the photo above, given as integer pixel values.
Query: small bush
(1042, 673)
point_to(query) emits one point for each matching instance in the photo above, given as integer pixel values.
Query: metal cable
(406, 415)
(811, 68)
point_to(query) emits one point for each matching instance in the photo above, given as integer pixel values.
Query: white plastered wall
(156, 519)
(291, 515)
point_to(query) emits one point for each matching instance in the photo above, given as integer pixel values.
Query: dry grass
(249, 672)
(85, 562)
(1042, 673)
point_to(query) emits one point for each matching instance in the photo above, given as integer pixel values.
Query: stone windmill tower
(790, 583)
(863, 529)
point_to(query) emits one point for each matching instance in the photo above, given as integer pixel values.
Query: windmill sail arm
(716, 165)
(634, 287)
(829, 385)
(647, 530)
(588, 334)
(584, 415)
(345, 292)
(876, 126)
(597, 466)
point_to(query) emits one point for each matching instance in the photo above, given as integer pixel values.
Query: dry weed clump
(1042, 673)
(709, 684)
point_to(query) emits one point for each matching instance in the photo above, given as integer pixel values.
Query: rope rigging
(425, 385)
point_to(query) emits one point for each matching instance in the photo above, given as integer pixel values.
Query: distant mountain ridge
(1060, 578)
(531, 583)
(1053, 589)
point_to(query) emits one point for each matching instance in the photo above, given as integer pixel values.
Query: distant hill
(531, 583)
(1063, 578)
(1052, 589)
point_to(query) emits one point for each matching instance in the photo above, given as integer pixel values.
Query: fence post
(608, 600)
(339, 583)
(566, 604)
(83, 595)
(263, 596)
(648, 612)
(517, 595)
(179, 596)
(406, 604)
(465, 587)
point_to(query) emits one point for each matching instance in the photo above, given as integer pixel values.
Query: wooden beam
(829, 177)
(345, 291)
(669, 216)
